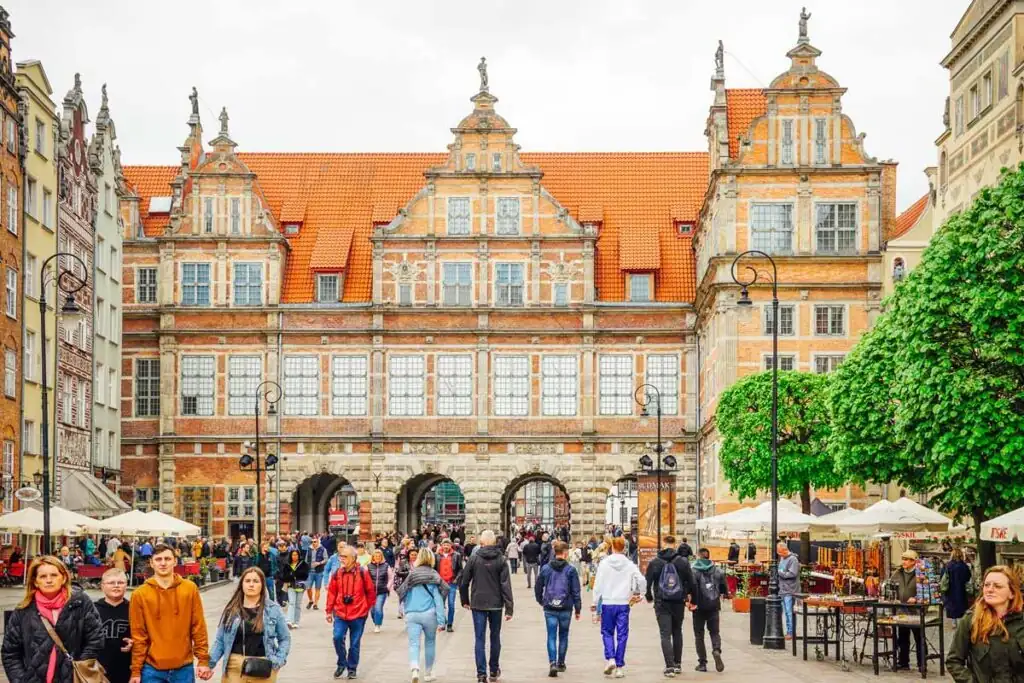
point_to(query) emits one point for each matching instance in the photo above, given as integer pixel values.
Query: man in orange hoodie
(163, 611)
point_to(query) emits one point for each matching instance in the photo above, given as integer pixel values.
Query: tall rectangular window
(101, 317)
(195, 506)
(405, 294)
(512, 386)
(145, 287)
(454, 385)
(406, 386)
(975, 101)
(236, 215)
(820, 140)
(327, 288)
(829, 321)
(507, 216)
(786, 316)
(12, 136)
(197, 382)
(248, 284)
(827, 363)
(835, 227)
(147, 387)
(459, 216)
(30, 197)
(302, 385)
(496, 162)
(12, 293)
(80, 400)
(348, 385)
(616, 386)
(558, 386)
(471, 161)
(10, 373)
(457, 284)
(787, 141)
(986, 89)
(66, 399)
(195, 284)
(31, 265)
(12, 209)
(8, 470)
(100, 396)
(958, 115)
(47, 208)
(663, 373)
(640, 288)
(244, 374)
(786, 362)
(509, 284)
(561, 294)
(771, 227)
(40, 139)
(28, 437)
(29, 369)
(208, 214)
(112, 388)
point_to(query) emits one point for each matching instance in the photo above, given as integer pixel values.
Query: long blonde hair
(234, 607)
(986, 622)
(30, 579)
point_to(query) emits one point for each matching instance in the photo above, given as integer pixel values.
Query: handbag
(84, 670)
(255, 667)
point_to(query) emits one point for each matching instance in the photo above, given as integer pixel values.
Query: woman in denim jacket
(252, 626)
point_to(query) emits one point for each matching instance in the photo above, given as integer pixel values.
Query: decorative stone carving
(429, 449)
(563, 271)
(633, 449)
(535, 449)
(804, 16)
(194, 99)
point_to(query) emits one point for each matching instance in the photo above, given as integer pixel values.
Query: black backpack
(707, 588)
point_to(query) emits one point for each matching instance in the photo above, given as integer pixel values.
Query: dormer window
(496, 162)
(471, 162)
(640, 287)
(291, 228)
(327, 288)
(684, 228)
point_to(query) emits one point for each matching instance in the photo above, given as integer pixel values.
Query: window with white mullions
(243, 377)
(208, 215)
(197, 381)
(836, 227)
(301, 385)
(327, 288)
(457, 284)
(786, 362)
(787, 141)
(786, 327)
(348, 386)
(195, 284)
(559, 382)
(406, 386)
(145, 288)
(616, 386)
(459, 215)
(820, 140)
(828, 363)
(829, 321)
(663, 373)
(248, 284)
(147, 387)
(236, 215)
(455, 385)
(771, 227)
(509, 284)
(511, 386)
(507, 218)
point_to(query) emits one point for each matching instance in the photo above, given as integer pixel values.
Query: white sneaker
(609, 667)
(376, 629)
(429, 677)
(415, 676)
(619, 673)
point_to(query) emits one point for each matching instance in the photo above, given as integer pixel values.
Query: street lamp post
(269, 391)
(645, 395)
(773, 636)
(69, 282)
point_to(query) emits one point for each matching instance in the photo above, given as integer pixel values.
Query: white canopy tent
(790, 519)
(134, 523)
(717, 522)
(886, 516)
(29, 521)
(1004, 528)
(174, 526)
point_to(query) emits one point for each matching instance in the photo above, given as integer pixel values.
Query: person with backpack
(558, 592)
(618, 586)
(669, 584)
(449, 567)
(531, 560)
(705, 602)
(350, 596)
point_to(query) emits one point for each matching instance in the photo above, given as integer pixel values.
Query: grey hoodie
(789, 575)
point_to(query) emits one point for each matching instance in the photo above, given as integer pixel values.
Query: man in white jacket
(619, 584)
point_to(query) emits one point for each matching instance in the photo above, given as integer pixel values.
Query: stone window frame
(560, 301)
(836, 312)
(785, 359)
(245, 372)
(235, 214)
(10, 373)
(200, 283)
(837, 231)
(321, 280)
(832, 360)
(113, 384)
(147, 387)
(766, 320)
(470, 161)
(507, 231)
(407, 385)
(198, 384)
(301, 385)
(237, 287)
(759, 226)
(559, 385)
(787, 147)
(511, 285)
(146, 284)
(11, 294)
(615, 396)
(665, 379)
(454, 384)
(821, 140)
(349, 385)
(458, 287)
(648, 287)
(208, 214)
(468, 220)
(512, 385)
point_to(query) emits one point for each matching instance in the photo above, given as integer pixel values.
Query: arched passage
(429, 498)
(621, 504)
(536, 499)
(317, 496)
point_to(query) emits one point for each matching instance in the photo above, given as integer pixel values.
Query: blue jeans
(271, 589)
(557, 622)
(615, 632)
(453, 593)
(787, 613)
(482, 618)
(377, 611)
(153, 675)
(425, 623)
(354, 628)
(294, 606)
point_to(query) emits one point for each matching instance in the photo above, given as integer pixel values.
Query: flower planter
(741, 605)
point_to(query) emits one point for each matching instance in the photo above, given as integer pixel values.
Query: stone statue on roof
(194, 99)
(804, 16)
(223, 121)
(482, 68)
(720, 58)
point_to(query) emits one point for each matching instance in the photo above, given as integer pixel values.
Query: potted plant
(741, 601)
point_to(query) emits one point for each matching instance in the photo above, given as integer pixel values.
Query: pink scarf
(49, 609)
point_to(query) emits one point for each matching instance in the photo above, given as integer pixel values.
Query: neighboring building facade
(790, 177)
(911, 234)
(12, 151)
(40, 241)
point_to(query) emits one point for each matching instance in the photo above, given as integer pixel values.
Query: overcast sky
(395, 76)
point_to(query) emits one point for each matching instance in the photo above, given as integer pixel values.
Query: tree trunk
(805, 536)
(986, 549)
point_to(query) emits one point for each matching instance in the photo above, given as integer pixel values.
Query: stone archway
(537, 498)
(447, 495)
(311, 502)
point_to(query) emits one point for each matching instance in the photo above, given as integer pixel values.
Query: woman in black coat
(955, 598)
(28, 648)
(292, 574)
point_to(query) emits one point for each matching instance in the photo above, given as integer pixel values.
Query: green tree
(743, 418)
(933, 398)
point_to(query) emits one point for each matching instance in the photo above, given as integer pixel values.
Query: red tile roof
(742, 106)
(641, 195)
(906, 220)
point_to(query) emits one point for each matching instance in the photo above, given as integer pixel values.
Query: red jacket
(355, 582)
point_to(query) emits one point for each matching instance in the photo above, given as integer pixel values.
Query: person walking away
(512, 553)
(558, 592)
(546, 552)
(350, 595)
(252, 626)
(531, 560)
(956, 578)
(685, 551)
(669, 585)
(29, 653)
(751, 552)
(486, 589)
(986, 646)
(423, 598)
(116, 656)
(905, 579)
(168, 626)
(789, 584)
(705, 603)
(618, 586)
(586, 563)
(293, 576)
(449, 567)
(382, 576)
(316, 558)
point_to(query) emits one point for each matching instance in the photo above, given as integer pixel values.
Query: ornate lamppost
(269, 391)
(646, 395)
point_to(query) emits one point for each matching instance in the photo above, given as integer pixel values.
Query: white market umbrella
(790, 519)
(135, 523)
(175, 526)
(29, 521)
(718, 521)
(903, 515)
(1004, 528)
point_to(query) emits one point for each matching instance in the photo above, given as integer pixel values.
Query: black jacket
(734, 552)
(685, 551)
(531, 553)
(488, 573)
(547, 553)
(285, 573)
(653, 576)
(27, 645)
(992, 662)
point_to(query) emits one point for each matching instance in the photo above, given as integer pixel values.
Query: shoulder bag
(84, 670)
(254, 667)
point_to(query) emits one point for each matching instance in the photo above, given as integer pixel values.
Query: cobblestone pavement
(524, 656)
